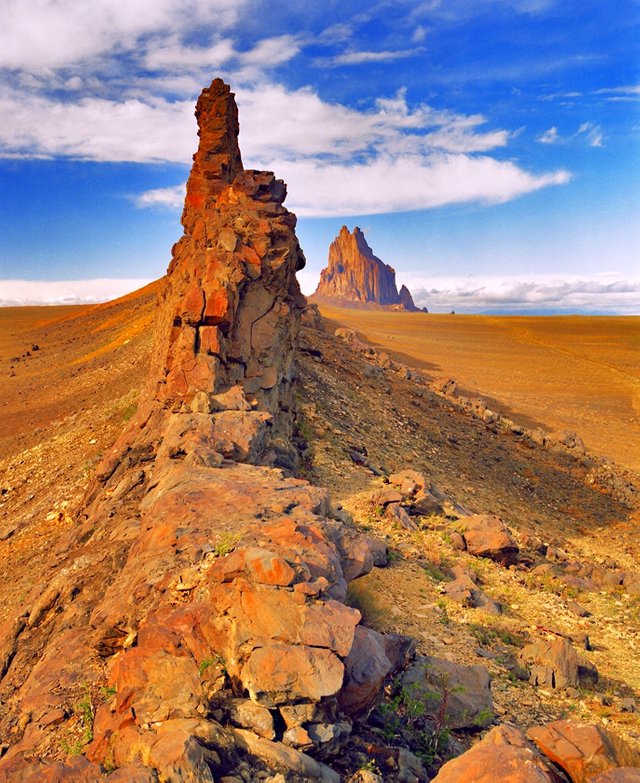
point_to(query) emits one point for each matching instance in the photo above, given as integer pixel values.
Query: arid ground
(561, 373)
(62, 405)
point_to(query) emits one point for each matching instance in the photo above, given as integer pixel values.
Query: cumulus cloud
(116, 83)
(135, 130)
(405, 183)
(319, 189)
(45, 34)
(19, 293)
(531, 293)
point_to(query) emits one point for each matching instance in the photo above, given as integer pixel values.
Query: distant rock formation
(354, 276)
(406, 300)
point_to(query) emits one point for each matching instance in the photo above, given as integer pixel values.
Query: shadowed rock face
(354, 275)
(200, 580)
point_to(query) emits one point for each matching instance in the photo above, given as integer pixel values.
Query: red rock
(619, 775)
(142, 588)
(281, 673)
(399, 516)
(385, 496)
(413, 476)
(487, 536)
(405, 300)
(503, 755)
(162, 685)
(355, 275)
(367, 666)
(583, 750)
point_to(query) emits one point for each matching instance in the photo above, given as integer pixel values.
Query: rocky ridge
(355, 276)
(200, 582)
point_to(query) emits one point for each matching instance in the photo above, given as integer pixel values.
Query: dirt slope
(567, 372)
(61, 406)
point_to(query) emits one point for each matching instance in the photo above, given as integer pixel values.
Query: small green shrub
(226, 544)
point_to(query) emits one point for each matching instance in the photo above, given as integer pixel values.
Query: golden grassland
(579, 373)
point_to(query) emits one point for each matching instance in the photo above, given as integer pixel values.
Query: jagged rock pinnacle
(354, 275)
(230, 305)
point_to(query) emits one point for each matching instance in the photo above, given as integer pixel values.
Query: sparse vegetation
(227, 543)
(406, 717)
(487, 635)
(361, 597)
(207, 663)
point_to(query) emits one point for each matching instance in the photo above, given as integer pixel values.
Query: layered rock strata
(355, 276)
(195, 618)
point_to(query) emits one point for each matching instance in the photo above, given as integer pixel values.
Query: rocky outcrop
(355, 276)
(583, 750)
(505, 755)
(405, 300)
(194, 617)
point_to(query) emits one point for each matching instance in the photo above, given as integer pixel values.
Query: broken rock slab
(552, 664)
(583, 750)
(503, 755)
(488, 536)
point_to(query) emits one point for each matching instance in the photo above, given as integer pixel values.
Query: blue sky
(489, 149)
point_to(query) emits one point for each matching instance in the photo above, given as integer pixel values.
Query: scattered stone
(577, 609)
(412, 480)
(488, 536)
(247, 715)
(399, 516)
(628, 705)
(385, 496)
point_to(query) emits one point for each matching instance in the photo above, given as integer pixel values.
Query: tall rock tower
(230, 305)
(355, 276)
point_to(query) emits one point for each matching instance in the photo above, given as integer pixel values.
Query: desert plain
(579, 373)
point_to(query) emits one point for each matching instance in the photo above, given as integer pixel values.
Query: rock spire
(355, 276)
(230, 304)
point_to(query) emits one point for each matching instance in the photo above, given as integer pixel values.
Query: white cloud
(549, 136)
(405, 183)
(592, 132)
(171, 53)
(630, 91)
(116, 82)
(45, 34)
(162, 197)
(19, 293)
(97, 129)
(419, 34)
(319, 189)
(527, 293)
(359, 58)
